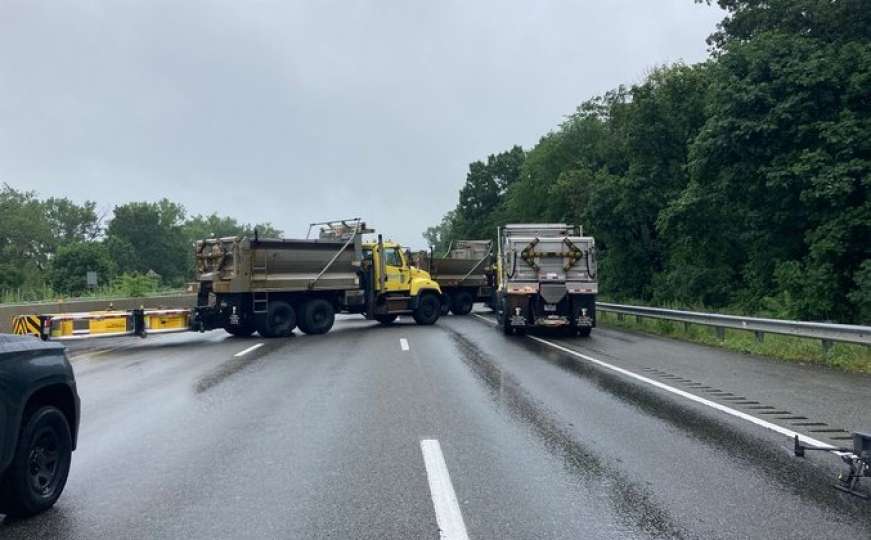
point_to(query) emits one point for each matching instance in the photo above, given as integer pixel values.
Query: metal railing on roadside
(828, 333)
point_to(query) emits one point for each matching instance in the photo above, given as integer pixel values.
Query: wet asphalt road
(319, 437)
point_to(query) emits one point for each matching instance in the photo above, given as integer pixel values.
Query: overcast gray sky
(292, 112)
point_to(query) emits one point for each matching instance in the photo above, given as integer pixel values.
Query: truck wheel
(318, 316)
(39, 469)
(386, 319)
(240, 330)
(584, 331)
(504, 321)
(280, 320)
(462, 303)
(428, 310)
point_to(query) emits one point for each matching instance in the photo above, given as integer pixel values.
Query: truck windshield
(392, 257)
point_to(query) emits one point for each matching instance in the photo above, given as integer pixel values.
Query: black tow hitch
(857, 459)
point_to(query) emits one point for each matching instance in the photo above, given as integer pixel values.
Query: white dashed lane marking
(248, 350)
(444, 499)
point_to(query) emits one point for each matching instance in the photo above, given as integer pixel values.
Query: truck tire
(462, 303)
(428, 310)
(584, 331)
(386, 319)
(318, 316)
(279, 321)
(504, 320)
(240, 330)
(38, 472)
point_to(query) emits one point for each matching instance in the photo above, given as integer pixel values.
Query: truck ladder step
(261, 302)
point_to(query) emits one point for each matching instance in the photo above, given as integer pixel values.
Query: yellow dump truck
(272, 286)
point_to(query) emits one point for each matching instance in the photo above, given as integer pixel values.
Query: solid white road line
(403, 344)
(684, 394)
(444, 500)
(248, 350)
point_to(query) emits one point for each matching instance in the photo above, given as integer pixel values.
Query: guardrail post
(686, 327)
(827, 345)
(721, 332)
(638, 319)
(619, 316)
(760, 336)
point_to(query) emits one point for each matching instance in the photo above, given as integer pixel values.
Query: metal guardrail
(828, 333)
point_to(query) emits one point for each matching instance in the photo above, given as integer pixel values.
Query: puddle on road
(633, 503)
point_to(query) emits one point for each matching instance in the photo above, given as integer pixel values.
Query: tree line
(47, 246)
(739, 183)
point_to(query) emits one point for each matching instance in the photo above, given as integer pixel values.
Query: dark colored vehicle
(39, 421)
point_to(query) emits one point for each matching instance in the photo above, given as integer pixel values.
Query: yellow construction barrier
(67, 326)
(167, 320)
(23, 325)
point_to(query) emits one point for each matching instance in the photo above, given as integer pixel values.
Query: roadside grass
(843, 356)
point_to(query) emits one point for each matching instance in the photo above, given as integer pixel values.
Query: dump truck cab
(394, 287)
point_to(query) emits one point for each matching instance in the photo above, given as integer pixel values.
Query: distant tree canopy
(740, 182)
(54, 242)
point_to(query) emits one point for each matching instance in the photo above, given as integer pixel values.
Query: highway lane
(320, 436)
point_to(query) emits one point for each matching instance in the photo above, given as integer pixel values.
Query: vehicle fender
(422, 285)
(24, 374)
(415, 299)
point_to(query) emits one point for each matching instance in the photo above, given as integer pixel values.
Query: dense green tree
(70, 222)
(25, 235)
(778, 199)
(487, 184)
(145, 236)
(70, 265)
(742, 181)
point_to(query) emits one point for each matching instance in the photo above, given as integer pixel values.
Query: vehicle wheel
(505, 321)
(386, 319)
(428, 310)
(280, 320)
(462, 303)
(318, 316)
(240, 330)
(39, 469)
(584, 331)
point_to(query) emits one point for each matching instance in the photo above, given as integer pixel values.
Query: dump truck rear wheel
(428, 310)
(584, 331)
(386, 319)
(462, 303)
(318, 316)
(504, 321)
(280, 320)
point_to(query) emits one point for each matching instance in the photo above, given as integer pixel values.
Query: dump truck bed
(243, 265)
(465, 265)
